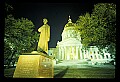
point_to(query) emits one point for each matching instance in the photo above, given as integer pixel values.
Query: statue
(44, 36)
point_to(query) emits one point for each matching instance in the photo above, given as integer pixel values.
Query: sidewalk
(84, 71)
(83, 64)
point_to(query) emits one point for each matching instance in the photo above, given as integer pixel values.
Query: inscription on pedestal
(46, 67)
(27, 66)
(34, 66)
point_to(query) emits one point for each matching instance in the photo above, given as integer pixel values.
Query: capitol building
(71, 48)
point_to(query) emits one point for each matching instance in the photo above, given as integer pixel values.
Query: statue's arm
(39, 30)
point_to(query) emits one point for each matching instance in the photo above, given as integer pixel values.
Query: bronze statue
(44, 36)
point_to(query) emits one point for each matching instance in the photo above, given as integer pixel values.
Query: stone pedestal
(31, 65)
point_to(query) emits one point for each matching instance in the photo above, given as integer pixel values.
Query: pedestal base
(34, 66)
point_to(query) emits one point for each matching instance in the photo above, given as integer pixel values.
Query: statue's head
(45, 21)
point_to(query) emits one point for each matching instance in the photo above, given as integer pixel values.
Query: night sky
(56, 13)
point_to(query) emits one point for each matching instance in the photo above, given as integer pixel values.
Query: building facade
(70, 48)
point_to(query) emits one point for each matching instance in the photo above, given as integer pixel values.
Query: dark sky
(56, 13)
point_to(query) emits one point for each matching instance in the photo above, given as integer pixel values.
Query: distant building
(70, 48)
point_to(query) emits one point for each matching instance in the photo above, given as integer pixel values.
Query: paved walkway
(81, 64)
(83, 70)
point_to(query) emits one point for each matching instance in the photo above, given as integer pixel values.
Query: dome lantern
(70, 23)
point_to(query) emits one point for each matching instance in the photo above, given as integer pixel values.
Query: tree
(85, 28)
(19, 37)
(99, 28)
(106, 13)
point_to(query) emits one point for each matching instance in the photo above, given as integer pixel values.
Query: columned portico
(70, 48)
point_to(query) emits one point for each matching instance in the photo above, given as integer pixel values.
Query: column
(76, 52)
(109, 57)
(105, 56)
(93, 54)
(87, 54)
(62, 53)
(72, 52)
(81, 52)
(68, 52)
(59, 53)
(101, 57)
(84, 54)
(56, 52)
(96, 52)
(90, 52)
(65, 53)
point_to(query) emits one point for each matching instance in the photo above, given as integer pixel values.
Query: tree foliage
(19, 37)
(105, 13)
(99, 28)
